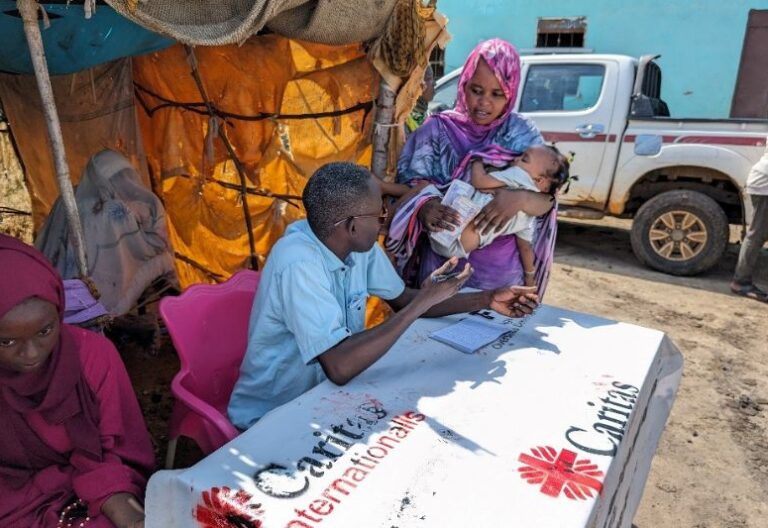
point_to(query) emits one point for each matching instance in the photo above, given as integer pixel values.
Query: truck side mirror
(440, 107)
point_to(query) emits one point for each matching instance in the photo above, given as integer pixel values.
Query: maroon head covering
(56, 390)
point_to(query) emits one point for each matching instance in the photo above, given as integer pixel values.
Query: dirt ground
(711, 467)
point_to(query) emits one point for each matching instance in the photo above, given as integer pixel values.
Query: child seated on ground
(74, 450)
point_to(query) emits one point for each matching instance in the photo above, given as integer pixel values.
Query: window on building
(437, 61)
(562, 87)
(561, 32)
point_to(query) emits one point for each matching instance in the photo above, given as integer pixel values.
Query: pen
(445, 277)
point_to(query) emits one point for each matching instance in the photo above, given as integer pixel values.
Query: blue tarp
(73, 43)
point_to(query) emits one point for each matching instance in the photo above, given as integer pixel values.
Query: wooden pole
(29, 10)
(382, 128)
(253, 262)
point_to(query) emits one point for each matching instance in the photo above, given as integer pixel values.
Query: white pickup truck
(680, 180)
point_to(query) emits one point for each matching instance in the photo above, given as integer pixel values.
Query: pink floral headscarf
(504, 61)
(439, 152)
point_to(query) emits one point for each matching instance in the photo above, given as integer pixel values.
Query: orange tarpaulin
(96, 111)
(190, 167)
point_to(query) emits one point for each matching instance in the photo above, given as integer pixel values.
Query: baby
(541, 168)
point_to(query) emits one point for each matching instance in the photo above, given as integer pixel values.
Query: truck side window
(563, 87)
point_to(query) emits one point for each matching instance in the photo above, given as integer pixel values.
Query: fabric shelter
(269, 89)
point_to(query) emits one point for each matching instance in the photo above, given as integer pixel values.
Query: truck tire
(680, 232)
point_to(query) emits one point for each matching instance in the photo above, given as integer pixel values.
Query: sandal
(750, 291)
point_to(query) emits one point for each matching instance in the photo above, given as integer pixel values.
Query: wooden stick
(29, 10)
(382, 127)
(253, 261)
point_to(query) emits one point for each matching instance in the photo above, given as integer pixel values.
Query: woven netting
(402, 44)
(217, 22)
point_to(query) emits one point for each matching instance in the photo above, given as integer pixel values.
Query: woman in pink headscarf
(482, 126)
(74, 450)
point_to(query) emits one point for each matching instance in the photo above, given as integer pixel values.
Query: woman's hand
(514, 301)
(506, 204)
(124, 511)
(435, 216)
(443, 283)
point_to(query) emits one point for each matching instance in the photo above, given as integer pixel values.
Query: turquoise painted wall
(700, 40)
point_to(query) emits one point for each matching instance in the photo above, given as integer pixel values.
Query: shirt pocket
(356, 311)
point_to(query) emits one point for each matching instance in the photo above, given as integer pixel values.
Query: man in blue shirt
(308, 318)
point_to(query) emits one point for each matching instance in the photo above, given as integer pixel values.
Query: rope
(288, 198)
(92, 288)
(386, 125)
(11, 210)
(215, 276)
(200, 108)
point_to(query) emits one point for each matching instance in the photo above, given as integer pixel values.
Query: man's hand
(357, 352)
(514, 301)
(443, 283)
(435, 216)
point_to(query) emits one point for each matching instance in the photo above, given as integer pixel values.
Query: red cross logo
(227, 508)
(560, 473)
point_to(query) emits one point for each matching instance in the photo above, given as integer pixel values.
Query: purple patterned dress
(440, 150)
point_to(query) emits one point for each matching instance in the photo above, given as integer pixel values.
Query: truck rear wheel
(680, 232)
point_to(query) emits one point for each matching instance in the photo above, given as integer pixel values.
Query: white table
(553, 426)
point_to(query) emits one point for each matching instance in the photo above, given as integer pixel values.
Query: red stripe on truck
(724, 140)
(573, 136)
(750, 141)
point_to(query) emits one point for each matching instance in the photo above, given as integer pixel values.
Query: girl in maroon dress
(74, 450)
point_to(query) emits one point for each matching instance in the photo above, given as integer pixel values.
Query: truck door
(572, 104)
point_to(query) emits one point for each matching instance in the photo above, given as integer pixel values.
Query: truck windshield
(564, 87)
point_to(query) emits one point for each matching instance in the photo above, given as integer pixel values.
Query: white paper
(469, 335)
(459, 198)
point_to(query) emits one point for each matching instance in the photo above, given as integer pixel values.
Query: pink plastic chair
(208, 325)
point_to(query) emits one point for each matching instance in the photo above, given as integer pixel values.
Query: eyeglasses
(382, 216)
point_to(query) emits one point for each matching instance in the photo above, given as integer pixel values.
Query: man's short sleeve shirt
(308, 301)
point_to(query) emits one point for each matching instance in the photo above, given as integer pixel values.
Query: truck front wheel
(680, 232)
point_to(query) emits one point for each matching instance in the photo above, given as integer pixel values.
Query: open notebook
(477, 329)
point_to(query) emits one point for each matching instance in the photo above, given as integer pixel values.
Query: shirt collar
(332, 262)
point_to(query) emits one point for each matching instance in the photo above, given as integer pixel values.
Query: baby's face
(541, 164)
